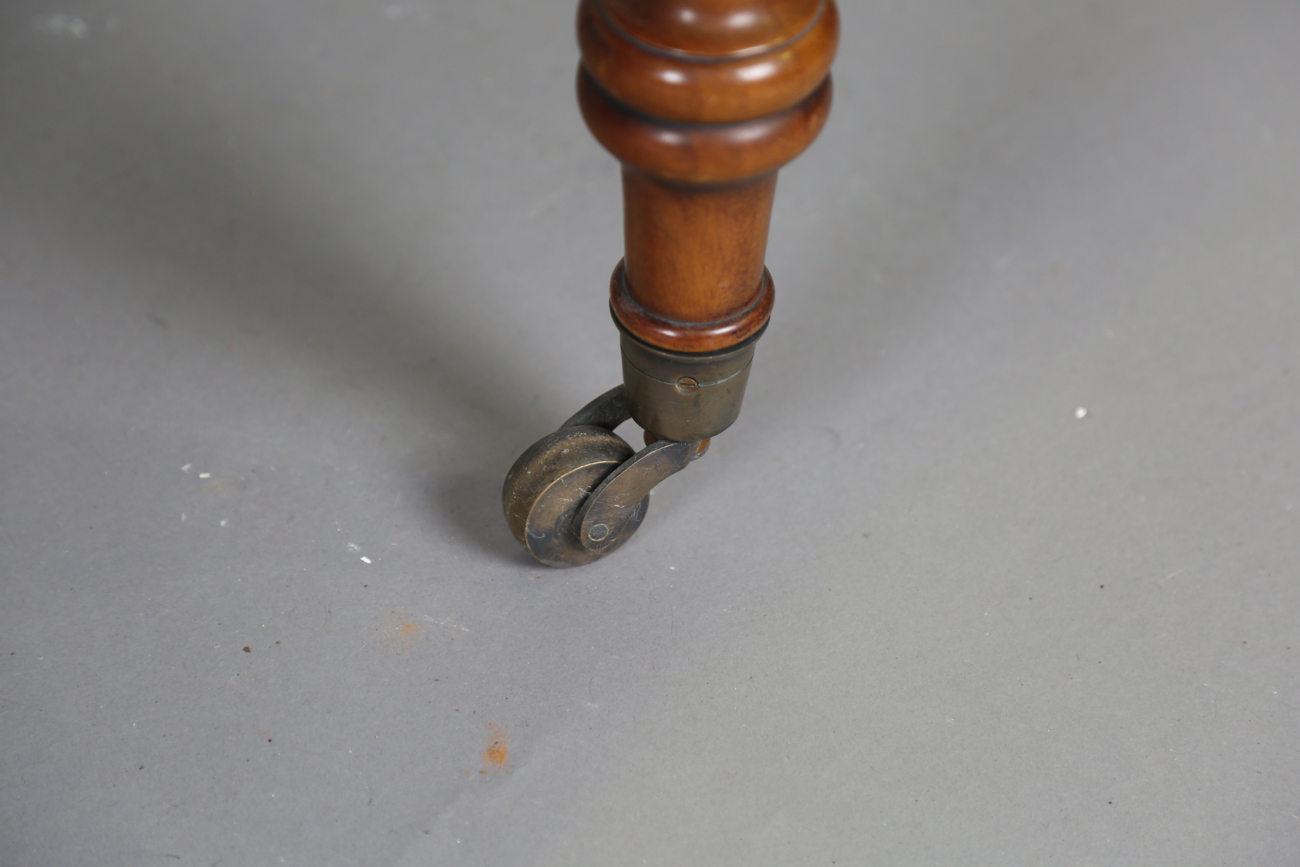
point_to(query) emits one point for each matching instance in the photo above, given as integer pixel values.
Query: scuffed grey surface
(350, 258)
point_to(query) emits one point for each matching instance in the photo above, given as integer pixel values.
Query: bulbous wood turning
(702, 101)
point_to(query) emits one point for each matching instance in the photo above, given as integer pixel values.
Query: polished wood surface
(717, 237)
(702, 101)
(707, 71)
(702, 153)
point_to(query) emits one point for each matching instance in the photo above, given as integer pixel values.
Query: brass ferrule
(684, 396)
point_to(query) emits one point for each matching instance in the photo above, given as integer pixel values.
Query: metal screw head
(598, 532)
(687, 385)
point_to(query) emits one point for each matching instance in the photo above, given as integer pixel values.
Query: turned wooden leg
(702, 101)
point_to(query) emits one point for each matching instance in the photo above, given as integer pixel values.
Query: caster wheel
(548, 486)
(580, 493)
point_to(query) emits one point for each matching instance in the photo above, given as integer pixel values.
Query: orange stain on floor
(400, 630)
(498, 752)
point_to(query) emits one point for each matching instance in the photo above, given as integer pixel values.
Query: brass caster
(580, 493)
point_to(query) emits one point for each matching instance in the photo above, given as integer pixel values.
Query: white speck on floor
(205, 475)
(365, 559)
(446, 623)
(187, 468)
(1080, 412)
(224, 522)
(354, 547)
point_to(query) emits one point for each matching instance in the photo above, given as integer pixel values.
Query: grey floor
(1000, 565)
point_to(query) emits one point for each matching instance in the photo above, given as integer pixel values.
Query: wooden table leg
(702, 101)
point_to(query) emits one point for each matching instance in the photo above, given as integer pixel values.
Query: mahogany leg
(702, 101)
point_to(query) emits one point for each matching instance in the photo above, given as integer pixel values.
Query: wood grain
(702, 101)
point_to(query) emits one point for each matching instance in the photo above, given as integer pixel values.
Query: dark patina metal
(684, 396)
(580, 493)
